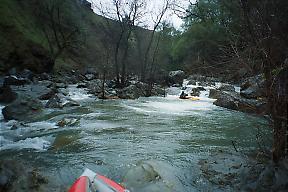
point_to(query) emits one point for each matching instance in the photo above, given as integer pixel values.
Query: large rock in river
(59, 101)
(232, 100)
(7, 95)
(253, 87)
(130, 92)
(24, 108)
(176, 77)
(40, 91)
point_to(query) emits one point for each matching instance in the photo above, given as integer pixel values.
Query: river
(148, 144)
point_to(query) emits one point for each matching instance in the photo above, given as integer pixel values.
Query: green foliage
(209, 29)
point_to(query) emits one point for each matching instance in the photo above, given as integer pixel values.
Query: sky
(152, 10)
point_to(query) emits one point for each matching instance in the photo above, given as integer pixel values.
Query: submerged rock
(15, 176)
(24, 108)
(67, 122)
(60, 101)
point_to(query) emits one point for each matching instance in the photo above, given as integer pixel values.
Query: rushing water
(149, 144)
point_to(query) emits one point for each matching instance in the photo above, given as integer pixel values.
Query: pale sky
(152, 9)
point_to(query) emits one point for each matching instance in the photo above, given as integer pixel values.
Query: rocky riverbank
(27, 99)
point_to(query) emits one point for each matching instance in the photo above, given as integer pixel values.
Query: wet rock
(13, 80)
(253, 87)
(44, 76)
(176, 85)
(130, 92)
(35, 90)
(157, 91)
(82, 85)
(232, 100)
(63, 91)
(197, 77)
(36, 179)
(60, 101)
(15, 176)
(226, 87)
(176, 77)
(61, 85)
(24, 108)
(95, 86)
(192, 82)
(214, 93)
(196, 91)
(89, 77)
(67, 122)
(26, 74)
(7, 95)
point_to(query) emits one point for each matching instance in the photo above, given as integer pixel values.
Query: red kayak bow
(90, 181)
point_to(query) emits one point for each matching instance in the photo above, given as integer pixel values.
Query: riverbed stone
(24, 108)
(59, 101)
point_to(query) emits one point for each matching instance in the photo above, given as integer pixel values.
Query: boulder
(26, 74)
(233, 100)
(227, 87)
(130, 92)
(157, 91)
(60, 101)
(13, 80)
(61, 85)
(7, 95)
(68, 122)
(95, 86)
(24, 108)
(191, 82)
(40, 91)
(82, 85)
(226, 101)
(176, 77)
(253, 87)
(196, 91)
(44, 76)
(89, 77)
(214, 93)
(17, 176)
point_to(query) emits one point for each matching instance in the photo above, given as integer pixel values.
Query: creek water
(148, 144)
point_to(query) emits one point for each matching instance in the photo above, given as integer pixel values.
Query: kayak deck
(90, 181)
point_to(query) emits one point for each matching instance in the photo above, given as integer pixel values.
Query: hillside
(28, 41)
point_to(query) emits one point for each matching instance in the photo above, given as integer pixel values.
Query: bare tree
(61, 33)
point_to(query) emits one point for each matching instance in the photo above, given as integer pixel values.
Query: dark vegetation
(229, 38)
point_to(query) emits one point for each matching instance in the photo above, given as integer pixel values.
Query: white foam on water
(39, 144)
(237, 89)
(78, 93)
(42, 125)
(1, 115)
